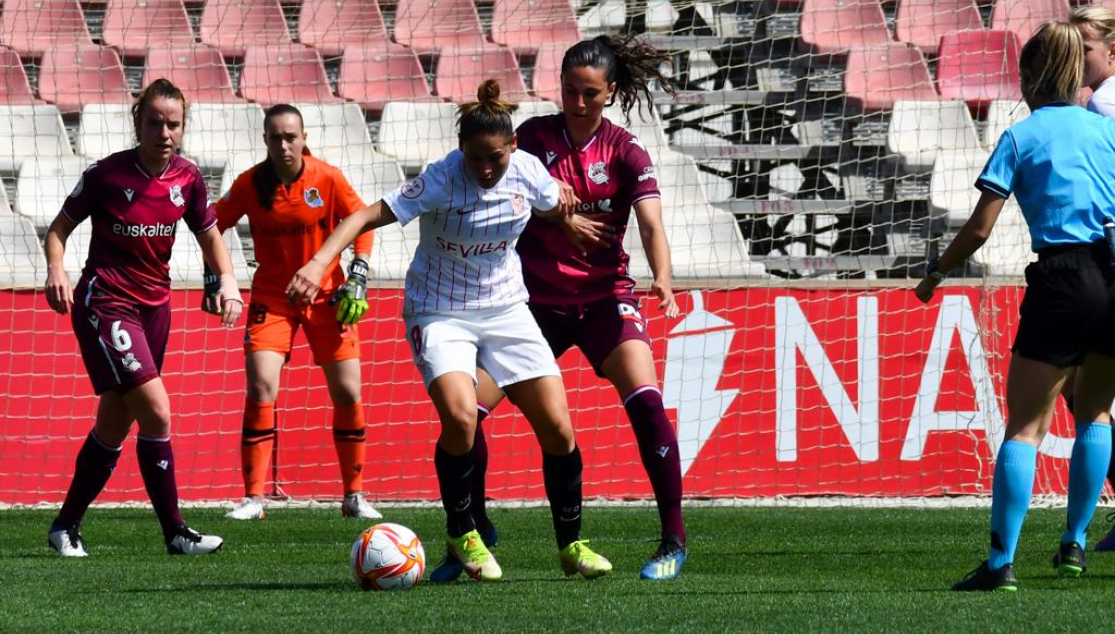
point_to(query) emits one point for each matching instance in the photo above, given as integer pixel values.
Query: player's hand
(352, 297)
(925, 289)
(587, 234)
(305, 284)
(667, 302)
(568, 201)
(59, 293)
(210, 299)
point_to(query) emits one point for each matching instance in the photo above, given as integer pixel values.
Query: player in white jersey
(465, 304)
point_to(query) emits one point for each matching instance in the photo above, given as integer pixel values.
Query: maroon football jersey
(134, 215)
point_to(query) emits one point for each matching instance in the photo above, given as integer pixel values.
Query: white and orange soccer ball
(388, 557)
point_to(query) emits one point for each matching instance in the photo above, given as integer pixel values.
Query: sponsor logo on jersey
(550, 157)
(413, 188)
(598, 173)
(467, 251)
(128, 193)
(648, 173)
(130, 363)
(596, 207)
(143, 231)
(176, 196)
(313, 197)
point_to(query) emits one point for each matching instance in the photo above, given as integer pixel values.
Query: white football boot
(67, 541)
(190, 542)
(250, 508)
(354, 505)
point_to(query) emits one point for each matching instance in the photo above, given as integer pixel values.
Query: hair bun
(488, 92)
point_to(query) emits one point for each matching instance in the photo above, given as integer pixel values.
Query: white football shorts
(506, 342)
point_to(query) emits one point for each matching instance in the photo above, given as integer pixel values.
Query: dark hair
(265, 180)
(161, 87)
(628, 62)
(487, 115)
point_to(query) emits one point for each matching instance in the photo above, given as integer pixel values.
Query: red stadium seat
(835, 26)
(1023, 17)
(284, 73)
(234, 25)
(979, 67)
(547, 71)
(198, 70)
(923, 22)
(881, 75)
(373, 74)
(34, 26)
(72, 77)
(431, 25)
(460, 74)
(331, 26)
(525, 25)
(133, 27)
(15, 89)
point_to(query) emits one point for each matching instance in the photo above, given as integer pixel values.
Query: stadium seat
(218, 130)
(284, 73)
(952, 191)
(236, 164)
(1007, 250)
(72, 77)
(1024, 17)
(33, 27)
(415, 133)
(373, 74)
(133, 27)
(198, 70)
(105, 129)
(333, 125)
(334, 26)
(607, 16)
(531, 109)
(392, 251)
(923, 22)
(43, 185)
(979, 67)
(524, 25)
(705, 243)
(77, 250)
(5, 204)
(429, 26)
(22, 263)
(34, 131)
(187, 266)
(547, 71)
(647, 127)
(234, 25)
(1000, 116)
(459, 75)
(920, 129)
(879, 76)
(835, 26)
(372, 176)
(15, 89)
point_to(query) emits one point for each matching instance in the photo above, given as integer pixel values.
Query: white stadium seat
(529, 109)
(216, 131)
(918, 130)
(1000, 116)
(418, 132)
(392, 252)
(44, 183)
(705, 243)
(106, 128)
(77, 250)
(333, 125)
(5, 205)
(187, 266)
(371, 177)
(22, 263)
(1007, 251)
(31, 132)
(952, 191)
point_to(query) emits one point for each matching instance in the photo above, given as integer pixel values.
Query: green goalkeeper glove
(352, 297)
(211, 298)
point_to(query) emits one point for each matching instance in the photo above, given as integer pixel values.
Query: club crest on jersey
(597, 173)
(176, 196)
(517, 203)
(413, 188)
(313, 197)
(550, 157)
(130, 363)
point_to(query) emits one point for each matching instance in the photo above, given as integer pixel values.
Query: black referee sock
(562, 475)
(454, 478)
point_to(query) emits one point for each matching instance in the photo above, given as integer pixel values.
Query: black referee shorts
(1069, 306)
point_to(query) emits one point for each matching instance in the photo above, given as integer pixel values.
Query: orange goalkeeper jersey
(301, 217)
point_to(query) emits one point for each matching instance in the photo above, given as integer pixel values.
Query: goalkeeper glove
(352, 297)
(211, 299)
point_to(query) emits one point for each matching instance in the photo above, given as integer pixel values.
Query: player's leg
(1091, 456)
(488, 397)
(343, 379)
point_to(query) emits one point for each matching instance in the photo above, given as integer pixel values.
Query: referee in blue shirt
(1058, 163)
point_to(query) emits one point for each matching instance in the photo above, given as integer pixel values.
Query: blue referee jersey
(1060, 165)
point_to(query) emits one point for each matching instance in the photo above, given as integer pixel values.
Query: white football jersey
(466, 257)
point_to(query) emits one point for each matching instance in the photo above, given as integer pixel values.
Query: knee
(155, 421)
(262, 391)
(458, 428)
(345, 395)
(557, 438)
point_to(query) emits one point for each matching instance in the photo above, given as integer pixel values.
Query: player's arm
(59, 293)
(306, 283)
(970, 238)
(216, 257)
(649, 213)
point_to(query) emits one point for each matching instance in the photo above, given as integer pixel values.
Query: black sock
(562, 475)
(454, 477)
(480, 463)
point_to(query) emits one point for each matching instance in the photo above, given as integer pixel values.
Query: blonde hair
(1052, 64)
(1099, 20)
(488, 114)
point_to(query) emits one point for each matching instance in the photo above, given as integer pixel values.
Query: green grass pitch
(750, 570)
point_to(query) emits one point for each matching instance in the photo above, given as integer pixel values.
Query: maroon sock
(480, 468)
(156, 465)
(658, 446)
(92, 469)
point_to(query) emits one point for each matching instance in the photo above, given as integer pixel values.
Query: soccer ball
(388, 557)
